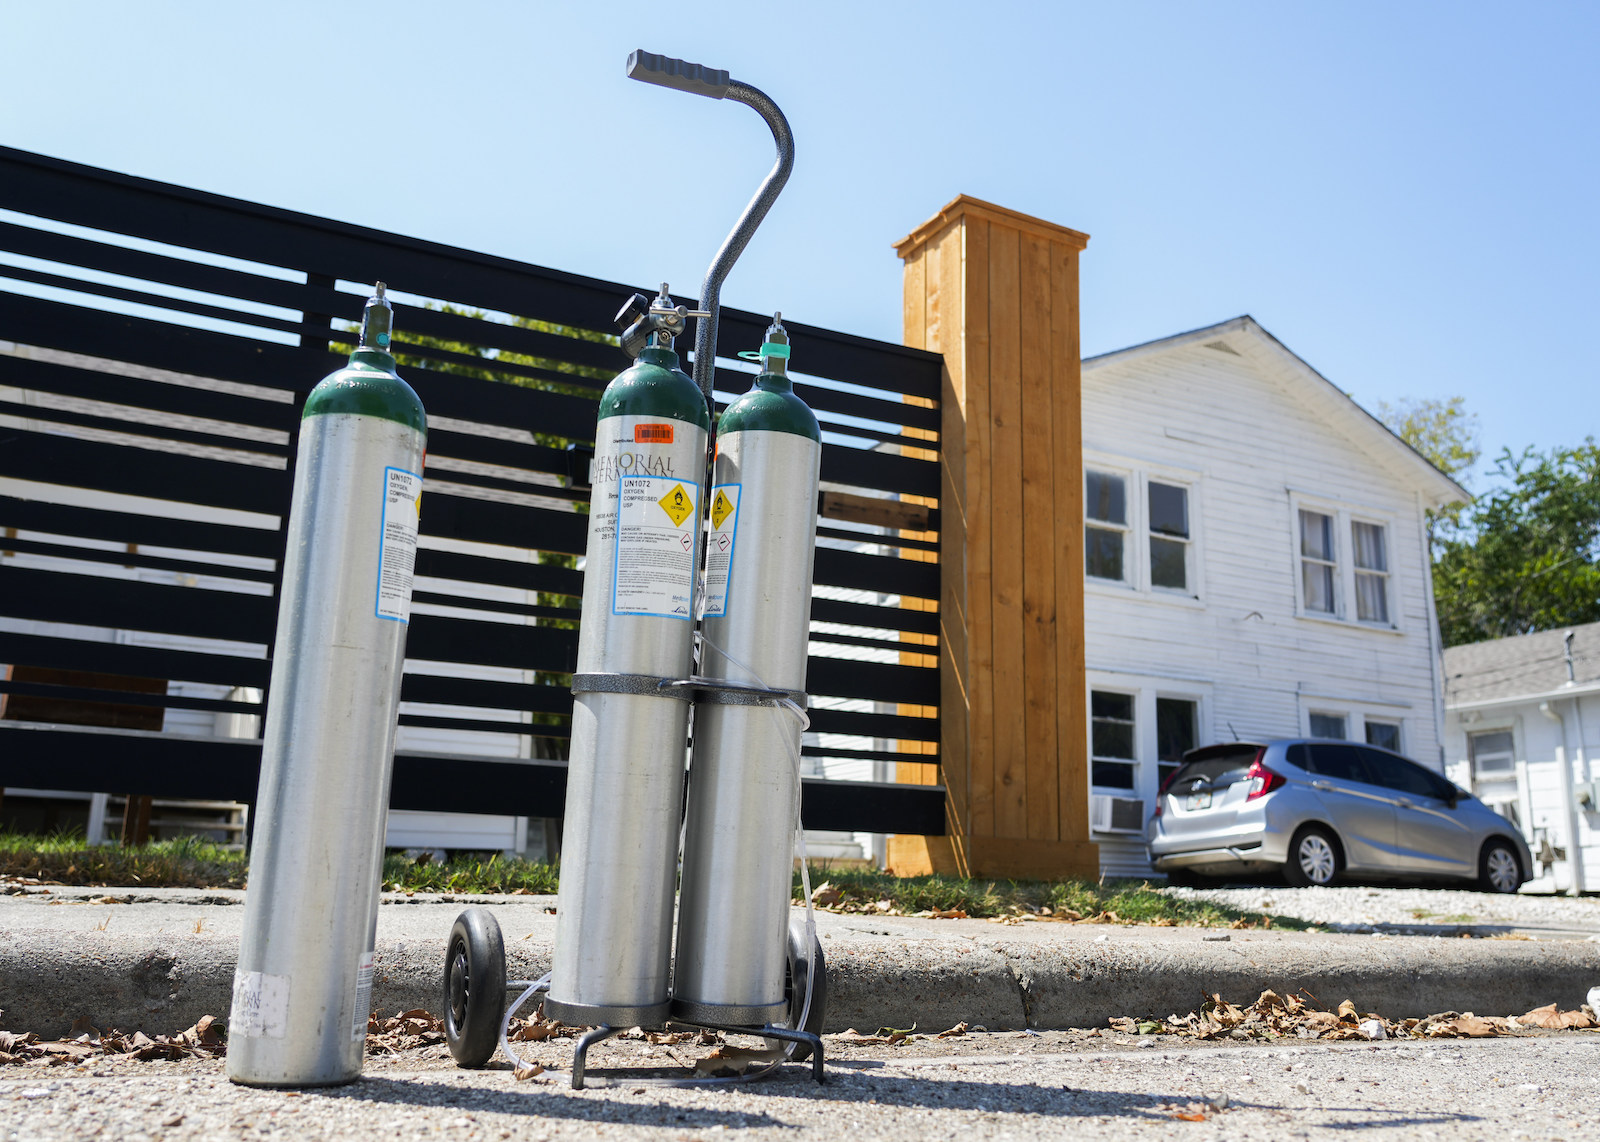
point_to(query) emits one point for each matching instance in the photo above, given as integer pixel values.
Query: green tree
(1527, 555)
(1446, 434)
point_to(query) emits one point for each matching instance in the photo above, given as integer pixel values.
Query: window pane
(1327, 726)
(1105, 497)
(1102, 553)
(1169, 509)
(1372, 598)
(1316, 535)
(1492, 753)
(1385, 735)
(1111, 726)
(1169, 563)
(1112, 774)
(1112, 739)
(1318, 582)
(1175, 728)
(1369, 551)
(1340, 762)
(1105, 704)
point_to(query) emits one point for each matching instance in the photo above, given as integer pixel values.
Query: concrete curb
(894, 975)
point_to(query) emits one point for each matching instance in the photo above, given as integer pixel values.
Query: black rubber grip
(677, 73)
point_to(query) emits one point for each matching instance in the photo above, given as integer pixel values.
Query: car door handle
(1325, 786)
(1404, 804)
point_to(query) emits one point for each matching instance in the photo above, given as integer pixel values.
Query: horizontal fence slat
(228, 769)
(128, 527)
(53, 459)
(156, 396)
(881, 573)
(441, 639)
(865, 468)
(139, 559)
(860, 723)
(137, 661)
(878, 681)
(102, 601)
(499, 572)
(485, 521)
(489, 694)
(886, 617)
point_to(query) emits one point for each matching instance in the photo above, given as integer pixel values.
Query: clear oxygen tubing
(533, 987)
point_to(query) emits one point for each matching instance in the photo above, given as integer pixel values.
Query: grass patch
(469, 873)
(189, 862)
(65, 858)
(1105, 902)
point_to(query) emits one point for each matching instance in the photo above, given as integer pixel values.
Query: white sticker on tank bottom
(654, 571)
(719, 546)
(260, 1005)
(364, 971)
(397, 560)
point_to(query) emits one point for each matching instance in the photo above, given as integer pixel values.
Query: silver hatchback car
(1317, 809)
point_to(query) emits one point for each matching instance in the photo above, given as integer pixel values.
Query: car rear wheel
(1498, 869)
(1313, 858)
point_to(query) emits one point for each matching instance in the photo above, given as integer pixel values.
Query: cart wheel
(474, 987)
(800, 959)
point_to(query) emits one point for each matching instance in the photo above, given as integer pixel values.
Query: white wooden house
(1256, 567)
(1522, 726)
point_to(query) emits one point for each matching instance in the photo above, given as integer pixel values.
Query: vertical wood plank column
(996, 292)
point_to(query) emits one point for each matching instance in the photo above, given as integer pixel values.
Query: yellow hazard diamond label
(720, 508)
(677, 503)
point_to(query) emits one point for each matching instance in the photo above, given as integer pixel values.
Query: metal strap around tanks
(695, 689)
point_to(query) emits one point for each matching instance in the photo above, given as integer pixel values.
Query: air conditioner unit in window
(1116, 814)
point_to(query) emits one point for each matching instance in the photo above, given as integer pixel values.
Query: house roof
(1244, 337)
(1522, 667)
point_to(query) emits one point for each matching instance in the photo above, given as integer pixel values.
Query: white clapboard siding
(1251, 431)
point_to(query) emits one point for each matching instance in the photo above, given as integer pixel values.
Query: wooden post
(996, 292)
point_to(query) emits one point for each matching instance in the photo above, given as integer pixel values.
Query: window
(1327, 726)
(1317, 563)
(1384, 735)
(1176, 734)
(1169, 536)
(1105, 504)
(1337, 762)
(1113, 756)
(1493, 755)
(1407, 777)
(1372, 572)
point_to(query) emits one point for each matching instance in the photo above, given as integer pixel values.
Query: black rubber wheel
(474, 987)
(800, 960)
(1313, 858)
(1499, 870)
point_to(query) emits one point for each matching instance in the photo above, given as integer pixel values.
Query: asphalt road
(981, 1086)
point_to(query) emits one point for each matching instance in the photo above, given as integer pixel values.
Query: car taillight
(1262, 780)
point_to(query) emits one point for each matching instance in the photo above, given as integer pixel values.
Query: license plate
(1197, 801)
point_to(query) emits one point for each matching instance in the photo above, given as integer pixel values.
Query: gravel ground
(1416, 911)
(980, 1087)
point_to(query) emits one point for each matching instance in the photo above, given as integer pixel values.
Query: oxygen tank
(744, 790)
(625, 773)
(302, 992)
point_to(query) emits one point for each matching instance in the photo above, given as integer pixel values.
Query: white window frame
(1127, 529)
(1399, 725)
(1145, 689)
(1134, 763)
(1137, 477)
(1344, 518)
(1507, 774)
(1357, 714)
(1387, 574)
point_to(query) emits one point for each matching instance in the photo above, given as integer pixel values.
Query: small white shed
(1522, 728)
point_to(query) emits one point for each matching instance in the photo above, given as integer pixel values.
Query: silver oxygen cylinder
(738, 858)
(625, 773)
(302, 992)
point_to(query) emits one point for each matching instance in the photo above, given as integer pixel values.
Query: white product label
(402, 509)
(654, 572)
(719, 546)
(364, 968)
(260, 1005)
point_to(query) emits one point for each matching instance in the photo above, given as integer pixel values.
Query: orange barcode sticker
(652, 434)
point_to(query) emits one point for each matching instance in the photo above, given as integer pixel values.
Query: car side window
(1406, 777)
(1337, 761)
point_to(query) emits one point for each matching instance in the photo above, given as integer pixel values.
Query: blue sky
(1404, 193)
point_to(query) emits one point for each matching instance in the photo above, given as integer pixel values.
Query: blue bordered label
(720, 542)
(397, 559)
(653, 573)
